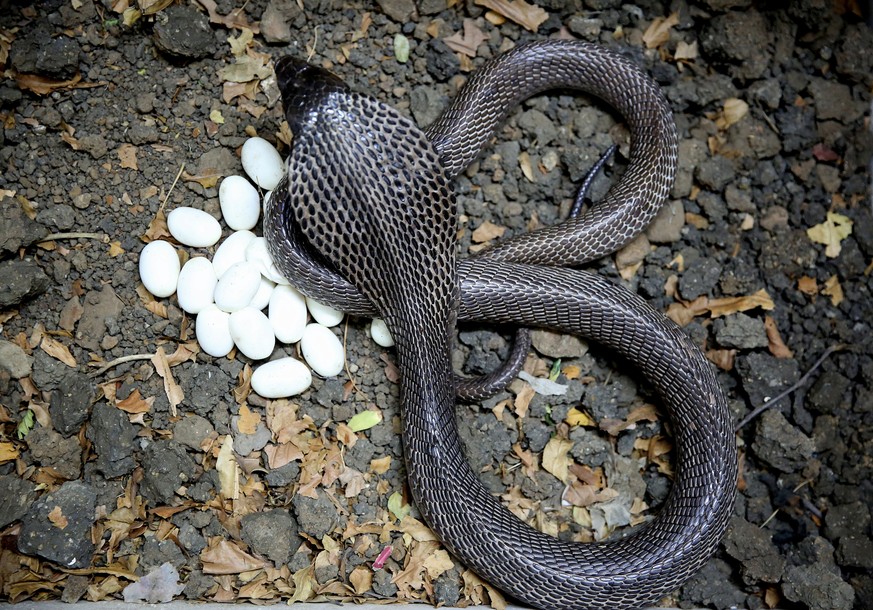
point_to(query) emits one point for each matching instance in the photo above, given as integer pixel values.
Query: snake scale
(366, 220)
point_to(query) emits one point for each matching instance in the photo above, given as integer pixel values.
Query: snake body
(366, 220)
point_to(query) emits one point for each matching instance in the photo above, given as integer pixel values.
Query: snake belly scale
(366, 220)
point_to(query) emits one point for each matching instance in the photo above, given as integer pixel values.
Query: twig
(172, 186)
(760, 409)
(54, 236)
(117, 361)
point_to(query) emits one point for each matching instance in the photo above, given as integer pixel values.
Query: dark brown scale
(374, 233)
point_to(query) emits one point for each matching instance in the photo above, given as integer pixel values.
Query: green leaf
(365, 420)
(25, 425)
(396, 506)
(555, 370)
(401, 48)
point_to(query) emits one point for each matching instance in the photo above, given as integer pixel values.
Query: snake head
(304, 88)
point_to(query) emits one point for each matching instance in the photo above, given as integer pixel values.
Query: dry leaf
(776, 346)
(526, 166)
(279, 455)
(575, 417)
(380, 465)
(807, 285)
(469, 41)
(361, 579)
(733, 111)
(658, 31)
(644, 412)
(722, 358)
(57, 350)
(172, 389)
(526, 15)
(135, 403)
(234, 19)
(8, 452)
(208, 179)
(115, 249)
(522, 400)
(248, 420)
(228, 474)
(57, 518)
(438, 563)
(555, 458)
(487, 231)
(831, 232)
(685, 51)
(225, 557)
(833, 289)
(42, 85)
(729, 305)
(127, 156)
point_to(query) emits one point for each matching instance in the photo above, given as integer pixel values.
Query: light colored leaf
(248, 420)
(224, 557)
(487, 231)
(658, 31)
(401, 48)
(57, 350)
(127, 156)
(365, 420)
(173, 390)
(526, 15)
(575, 417)
(775, 343)
(468, 41)
(380, 465)
(57, 518)
(685, 51)
(8, 452)
(397, 507)
(555, 458)
(833, 289)
(831, 232)
(438, 563)
(361, 579)
(135, 403)
(228, 474)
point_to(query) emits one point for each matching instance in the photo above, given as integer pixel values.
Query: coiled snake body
(366, 221)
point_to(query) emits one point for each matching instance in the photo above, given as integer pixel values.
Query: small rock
(96, 146)
(244, 444)
(715, 173)
(853, 56)
(155, 553)
(753, 548)
(834, 100)
(183, 31)
(432, 7)
(780, 444)
(70, 403)
(723, 5)
(740, 331)
(50, 449)
(558, 345)
(14, 360)
(741, 39)
(75, 588)
(166, 467)
(271, 533)
(60, 217)
(70, 546)
(315, 516)
(586, 28)
(399, 10)
(17, 494)
(42, 52)
(17, 230)
(817, 587)
(220, 161)
(847, 519)
(826, 394)
(666, 228)
(700, 278)
(447, 589)
(442, 63)
(712, 586)
(426, 104)
(764, 376)
(539, 126)
(192, 431)
(20, 280)
(590, 448)
(112, 435)
(774, 218)
(855, 551)
(48, 373)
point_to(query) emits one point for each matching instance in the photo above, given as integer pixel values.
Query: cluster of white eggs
(230, 293)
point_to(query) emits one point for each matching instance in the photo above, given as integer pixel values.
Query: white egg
(258, 253)
(287, 314)
(159, 268)
(197, 282)
(193, 227)
(237, 287)
(262, 296)
(251, 332)
(213, 331)
(379, 332)
(322, 350)
(281, 378)
(231, 251)
(240, 203)
(324, 314)
(262, 163)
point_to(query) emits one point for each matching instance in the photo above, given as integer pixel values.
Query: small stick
(760, 409)
(117, 361)
(54, 236)
(172, 186)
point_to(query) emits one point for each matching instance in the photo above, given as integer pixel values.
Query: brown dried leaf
(361, 579)
(70, 314)
(722, 358)
(528, 460)
(279, 455)
(392, 373)
(729, 305)
(57, 518)
(487, 231)
(380, 465)
(157, 228)
(127, 156)
(208, 179)
(733, 112)
(42, 85)
(234, 19)
(556, 459)
(645, 412)
(522, 400)
(775, 343)
(685, 52)
(224, 557)
(807, 285)
(438, 563)
(57, 350)
(248, 420)
(353, 481)
(69, 139)
(135, 403)
(468, 42)
(658, 31)
(833, 289)
(173, 390)
(526, 15)
(8, 452)
(228, 474)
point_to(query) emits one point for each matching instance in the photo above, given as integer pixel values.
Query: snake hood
(304, 88)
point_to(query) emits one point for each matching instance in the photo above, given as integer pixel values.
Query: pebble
(287, 314)
(322, 350)
(240, 203)
(262, 163)
(213, 331)
(324, 314)
(193, 227)
(231, 251)
(159, 268)
(258, 254)
(237, 287)
(380, 333)
(196, 285)
(281, 378)
(252, 333)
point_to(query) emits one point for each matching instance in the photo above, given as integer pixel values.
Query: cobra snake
(366, 220)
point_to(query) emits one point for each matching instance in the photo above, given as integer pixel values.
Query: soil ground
(764, 255)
